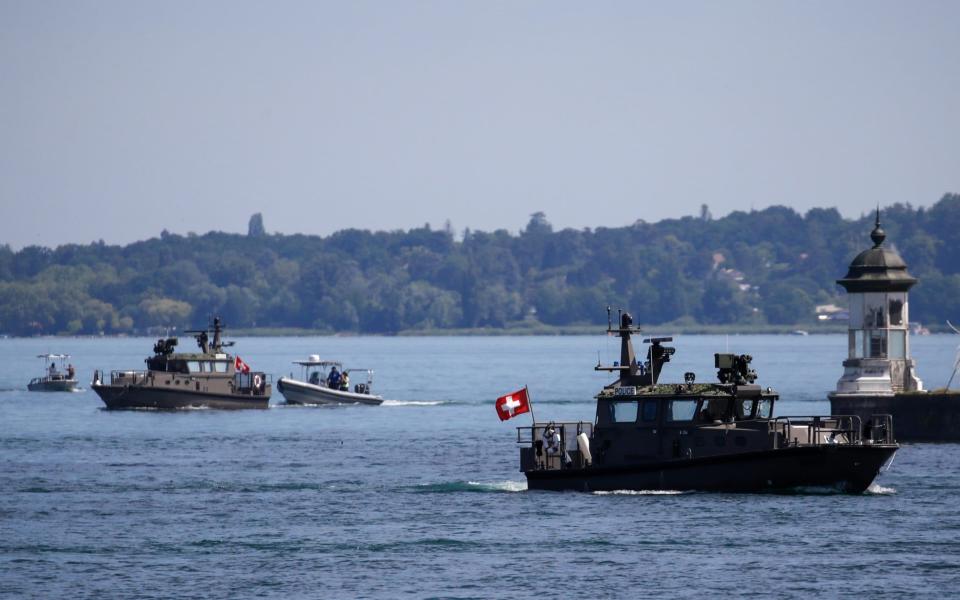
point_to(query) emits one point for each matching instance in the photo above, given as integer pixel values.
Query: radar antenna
(632, 372)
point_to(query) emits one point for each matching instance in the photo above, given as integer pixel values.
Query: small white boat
(322, 382)
(63, 379)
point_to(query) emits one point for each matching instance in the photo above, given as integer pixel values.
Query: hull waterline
(65, 385)
(848, 468)
(297, 392)
(120, 398)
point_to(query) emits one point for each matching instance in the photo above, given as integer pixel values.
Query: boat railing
(253, 383)
(127, 377)
(836, 429)
(881, 430)
(541, 454)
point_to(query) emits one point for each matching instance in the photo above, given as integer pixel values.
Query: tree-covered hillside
(769, 266)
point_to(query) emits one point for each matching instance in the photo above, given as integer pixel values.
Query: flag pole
(530, 403)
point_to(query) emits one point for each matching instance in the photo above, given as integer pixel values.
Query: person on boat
(333, 379)
(53, 369)
(345, 382)
(70, 371)
(315, 378)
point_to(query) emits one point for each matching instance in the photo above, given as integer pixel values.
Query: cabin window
(857, 345)
(713, 410)
(875, 305)
(764, 408)
(193, 366)
(856, 311)
(623, 411)
(649, 411)
(745, 409)
(681, 410)
(898, 344)
(878, 344)
(896, 311)
(219, 366)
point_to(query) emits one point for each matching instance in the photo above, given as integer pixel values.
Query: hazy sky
(120, 119)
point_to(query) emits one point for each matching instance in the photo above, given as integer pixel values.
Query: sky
(120, 119)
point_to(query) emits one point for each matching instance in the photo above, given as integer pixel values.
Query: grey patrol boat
(721, 436)
(313, 388)
(210, 378)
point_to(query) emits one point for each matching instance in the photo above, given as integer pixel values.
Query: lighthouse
(878, 343)
(879, 376)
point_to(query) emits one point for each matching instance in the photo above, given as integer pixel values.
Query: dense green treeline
(769, 266)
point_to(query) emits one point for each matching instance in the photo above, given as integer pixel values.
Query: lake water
(422, 497)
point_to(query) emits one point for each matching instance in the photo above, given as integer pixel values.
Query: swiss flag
(513, 404)
(240, 366)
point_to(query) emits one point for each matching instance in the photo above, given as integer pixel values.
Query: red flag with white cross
(240, 367)
(513, 404)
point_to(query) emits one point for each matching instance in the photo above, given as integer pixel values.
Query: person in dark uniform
(333, 379)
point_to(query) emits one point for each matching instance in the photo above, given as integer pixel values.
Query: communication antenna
(956, 362)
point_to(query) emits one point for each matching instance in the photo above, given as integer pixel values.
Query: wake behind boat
(327, 382)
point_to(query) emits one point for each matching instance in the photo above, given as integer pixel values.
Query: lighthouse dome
(878, 269)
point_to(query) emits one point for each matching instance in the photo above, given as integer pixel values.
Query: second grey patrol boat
(719, 436)
(325, 382)
(210, 378)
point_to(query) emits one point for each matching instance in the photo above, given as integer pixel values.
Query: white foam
(639, 493)
(878, 489)
(502, 486)
(412, 402)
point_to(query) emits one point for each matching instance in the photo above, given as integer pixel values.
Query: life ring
(257, 381)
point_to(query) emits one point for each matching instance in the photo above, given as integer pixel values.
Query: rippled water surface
(422, 497)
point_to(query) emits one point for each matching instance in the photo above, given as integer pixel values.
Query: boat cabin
(51, 371)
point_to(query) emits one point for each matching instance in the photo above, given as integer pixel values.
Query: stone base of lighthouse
(921, 416)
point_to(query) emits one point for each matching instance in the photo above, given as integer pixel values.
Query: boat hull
(298, 392)
(133, 397)
(848, 468)
(917, 416)
(59, 385)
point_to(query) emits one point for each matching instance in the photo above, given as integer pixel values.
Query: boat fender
(551, 439)
(583, 443)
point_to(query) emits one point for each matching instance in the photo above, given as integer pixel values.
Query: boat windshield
(745, 408)
(315, 375)
(681, 410)
(765, 408)
(713, 409)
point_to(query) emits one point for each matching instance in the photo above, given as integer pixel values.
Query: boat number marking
(628, 390)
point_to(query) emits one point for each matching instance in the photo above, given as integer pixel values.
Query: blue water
(422, 497)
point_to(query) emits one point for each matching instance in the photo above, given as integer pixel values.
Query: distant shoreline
(519, 330)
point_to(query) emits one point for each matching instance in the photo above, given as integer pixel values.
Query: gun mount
(735, 369)
(164, 347)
